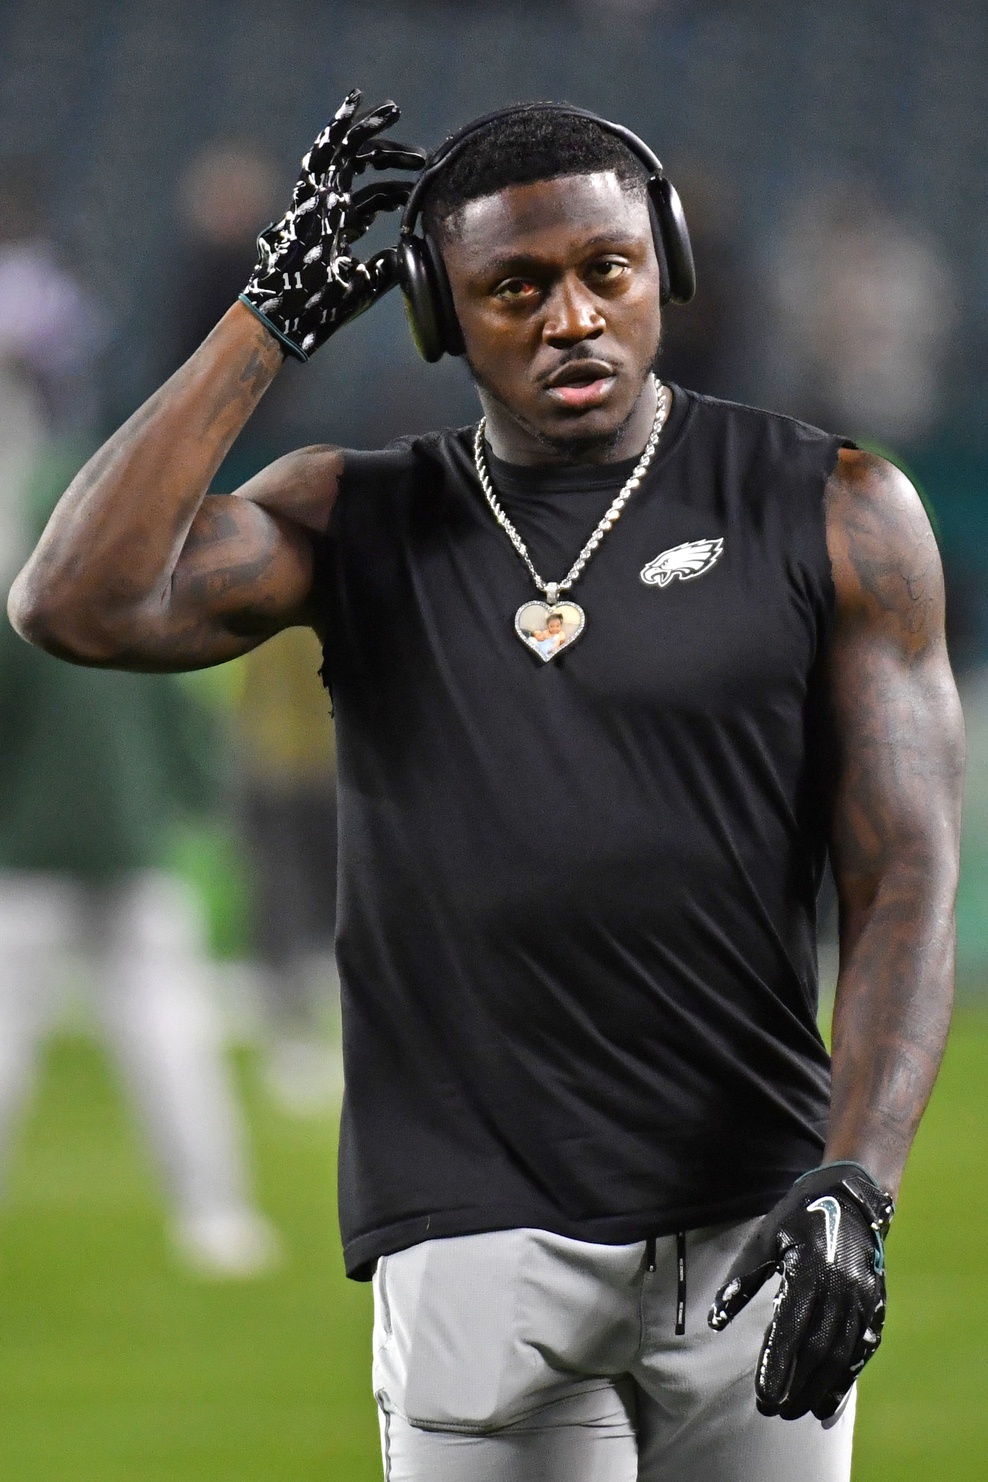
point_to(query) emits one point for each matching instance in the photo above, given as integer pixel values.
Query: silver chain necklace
(550, 626)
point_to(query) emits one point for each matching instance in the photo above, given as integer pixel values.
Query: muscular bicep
(245, 568)
(244, 573)
(894, 703)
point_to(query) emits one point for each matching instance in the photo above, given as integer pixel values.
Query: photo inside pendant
(549, 629)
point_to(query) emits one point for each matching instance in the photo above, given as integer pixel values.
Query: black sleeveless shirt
(577, 898)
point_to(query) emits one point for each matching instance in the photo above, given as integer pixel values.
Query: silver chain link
(553, 588)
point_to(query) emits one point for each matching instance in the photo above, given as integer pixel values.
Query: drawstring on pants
(680, 1276)
(680, 1283)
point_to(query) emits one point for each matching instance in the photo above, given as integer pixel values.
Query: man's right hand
(307, 282)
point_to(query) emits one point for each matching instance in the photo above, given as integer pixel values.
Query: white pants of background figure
(142, 943)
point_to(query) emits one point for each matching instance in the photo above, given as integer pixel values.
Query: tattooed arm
(894, 842)
(138, 569)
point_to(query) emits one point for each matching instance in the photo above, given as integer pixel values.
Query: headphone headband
(455, 144)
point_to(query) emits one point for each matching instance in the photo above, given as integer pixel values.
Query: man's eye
(608, 270)
(515, 289)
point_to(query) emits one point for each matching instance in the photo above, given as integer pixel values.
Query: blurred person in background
(861, 313)
(51, 331)
(94, 770)
(285, 746)
(588, 1112)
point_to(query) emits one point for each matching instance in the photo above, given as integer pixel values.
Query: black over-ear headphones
(422, 273)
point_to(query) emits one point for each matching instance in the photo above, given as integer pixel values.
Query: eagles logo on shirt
(691, 559)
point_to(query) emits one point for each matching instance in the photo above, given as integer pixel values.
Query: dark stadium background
(113, 1365)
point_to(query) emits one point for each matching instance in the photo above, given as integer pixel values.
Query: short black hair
(536, 141)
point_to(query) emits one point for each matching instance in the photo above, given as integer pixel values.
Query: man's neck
(514, 442)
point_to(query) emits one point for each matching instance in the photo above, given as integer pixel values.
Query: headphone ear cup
(420, 300)
(660, 248)
(449, 326)
(428, 299)
(679, 284)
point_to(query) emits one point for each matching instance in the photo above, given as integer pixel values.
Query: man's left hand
(825, 1238)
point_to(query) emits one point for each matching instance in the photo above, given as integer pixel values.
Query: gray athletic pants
(520, 1356)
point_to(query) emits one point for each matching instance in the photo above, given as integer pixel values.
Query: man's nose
(572, 314)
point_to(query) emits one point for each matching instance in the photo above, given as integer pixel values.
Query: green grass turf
(922, 1406)
(114, 1367)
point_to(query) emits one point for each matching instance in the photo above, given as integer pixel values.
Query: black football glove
(307, 282)
(826, 1239)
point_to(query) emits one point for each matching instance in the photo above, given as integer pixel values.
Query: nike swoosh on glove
(826, 1240)
(307, 282)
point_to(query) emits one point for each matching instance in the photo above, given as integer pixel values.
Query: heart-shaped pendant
(546, 629)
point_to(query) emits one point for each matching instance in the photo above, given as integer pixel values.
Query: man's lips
(588, 394)
(581, 383)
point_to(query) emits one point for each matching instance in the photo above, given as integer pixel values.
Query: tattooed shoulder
(302, 486)
(883, 553)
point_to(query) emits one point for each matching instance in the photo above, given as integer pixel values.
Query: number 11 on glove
(825, 1238)
(307, 283)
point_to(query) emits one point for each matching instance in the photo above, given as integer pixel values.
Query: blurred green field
(114, 1367)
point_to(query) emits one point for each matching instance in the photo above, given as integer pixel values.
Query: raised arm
(138, 568)
(896, 820)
